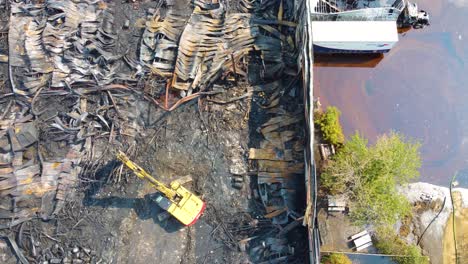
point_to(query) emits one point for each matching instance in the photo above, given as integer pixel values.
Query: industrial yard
(199, 89)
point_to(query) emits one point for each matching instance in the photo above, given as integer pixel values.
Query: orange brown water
(419, 88)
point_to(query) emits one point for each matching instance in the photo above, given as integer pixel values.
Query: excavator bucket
(184, 180)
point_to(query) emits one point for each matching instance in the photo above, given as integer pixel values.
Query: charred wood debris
(66, 84)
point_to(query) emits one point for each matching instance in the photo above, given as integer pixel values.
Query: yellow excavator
(175, 199)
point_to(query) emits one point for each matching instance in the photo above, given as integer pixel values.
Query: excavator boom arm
(142, 174)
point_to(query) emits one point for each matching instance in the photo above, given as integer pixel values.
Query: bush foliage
(389, 243)
(369, 176)
(329, 123)
(336, 258)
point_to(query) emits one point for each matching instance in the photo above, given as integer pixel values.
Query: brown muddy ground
(335, 230)
(418, 88)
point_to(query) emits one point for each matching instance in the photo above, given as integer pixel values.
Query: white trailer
(354, 36)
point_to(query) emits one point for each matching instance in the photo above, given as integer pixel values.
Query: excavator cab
(186, 206)
(162, 201)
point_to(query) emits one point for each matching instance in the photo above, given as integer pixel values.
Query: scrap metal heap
(72, 83)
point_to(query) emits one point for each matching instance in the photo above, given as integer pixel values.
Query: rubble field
(204, 88)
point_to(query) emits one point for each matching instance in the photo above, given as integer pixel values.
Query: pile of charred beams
(278, 165)
(277, 172)
(73, 96)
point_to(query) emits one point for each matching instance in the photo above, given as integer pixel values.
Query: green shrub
(336, 258)
(369, 176)
(389, 243)
(329, 124)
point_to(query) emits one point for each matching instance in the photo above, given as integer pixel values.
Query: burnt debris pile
(195, 52)
(26, 174)
(279, 162)
(58, 44)
(279, 169)
(80, 80)
(158, 50)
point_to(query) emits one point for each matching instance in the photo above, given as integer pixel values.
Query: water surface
(368, 259)
(419, 88)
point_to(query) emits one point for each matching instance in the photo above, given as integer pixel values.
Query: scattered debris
(427, 197)
(326, 150)
(28, 177)
(16, 249)
(279, 162)
(159, 43)
(3, 58)
(79, 92)
(66, 43)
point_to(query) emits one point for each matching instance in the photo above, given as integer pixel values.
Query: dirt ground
(110, 217)
(116, 219)
(461, 230)
(335, 229)
(179, 146)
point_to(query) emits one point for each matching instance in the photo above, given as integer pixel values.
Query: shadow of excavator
(145, 208)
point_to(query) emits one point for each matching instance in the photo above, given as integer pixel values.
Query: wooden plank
(270, 154)
(270, 209)
(278, 139)
(6, 170)
(276, 213)
(280, 166)
(264, 174)
(282, 123)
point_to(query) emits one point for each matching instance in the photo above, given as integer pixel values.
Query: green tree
(329, 123)
(369, 176)
(346, 166)
(336, 258)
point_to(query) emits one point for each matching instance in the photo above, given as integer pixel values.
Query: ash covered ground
(98, 211)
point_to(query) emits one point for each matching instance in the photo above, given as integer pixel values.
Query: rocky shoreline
(429, 206)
